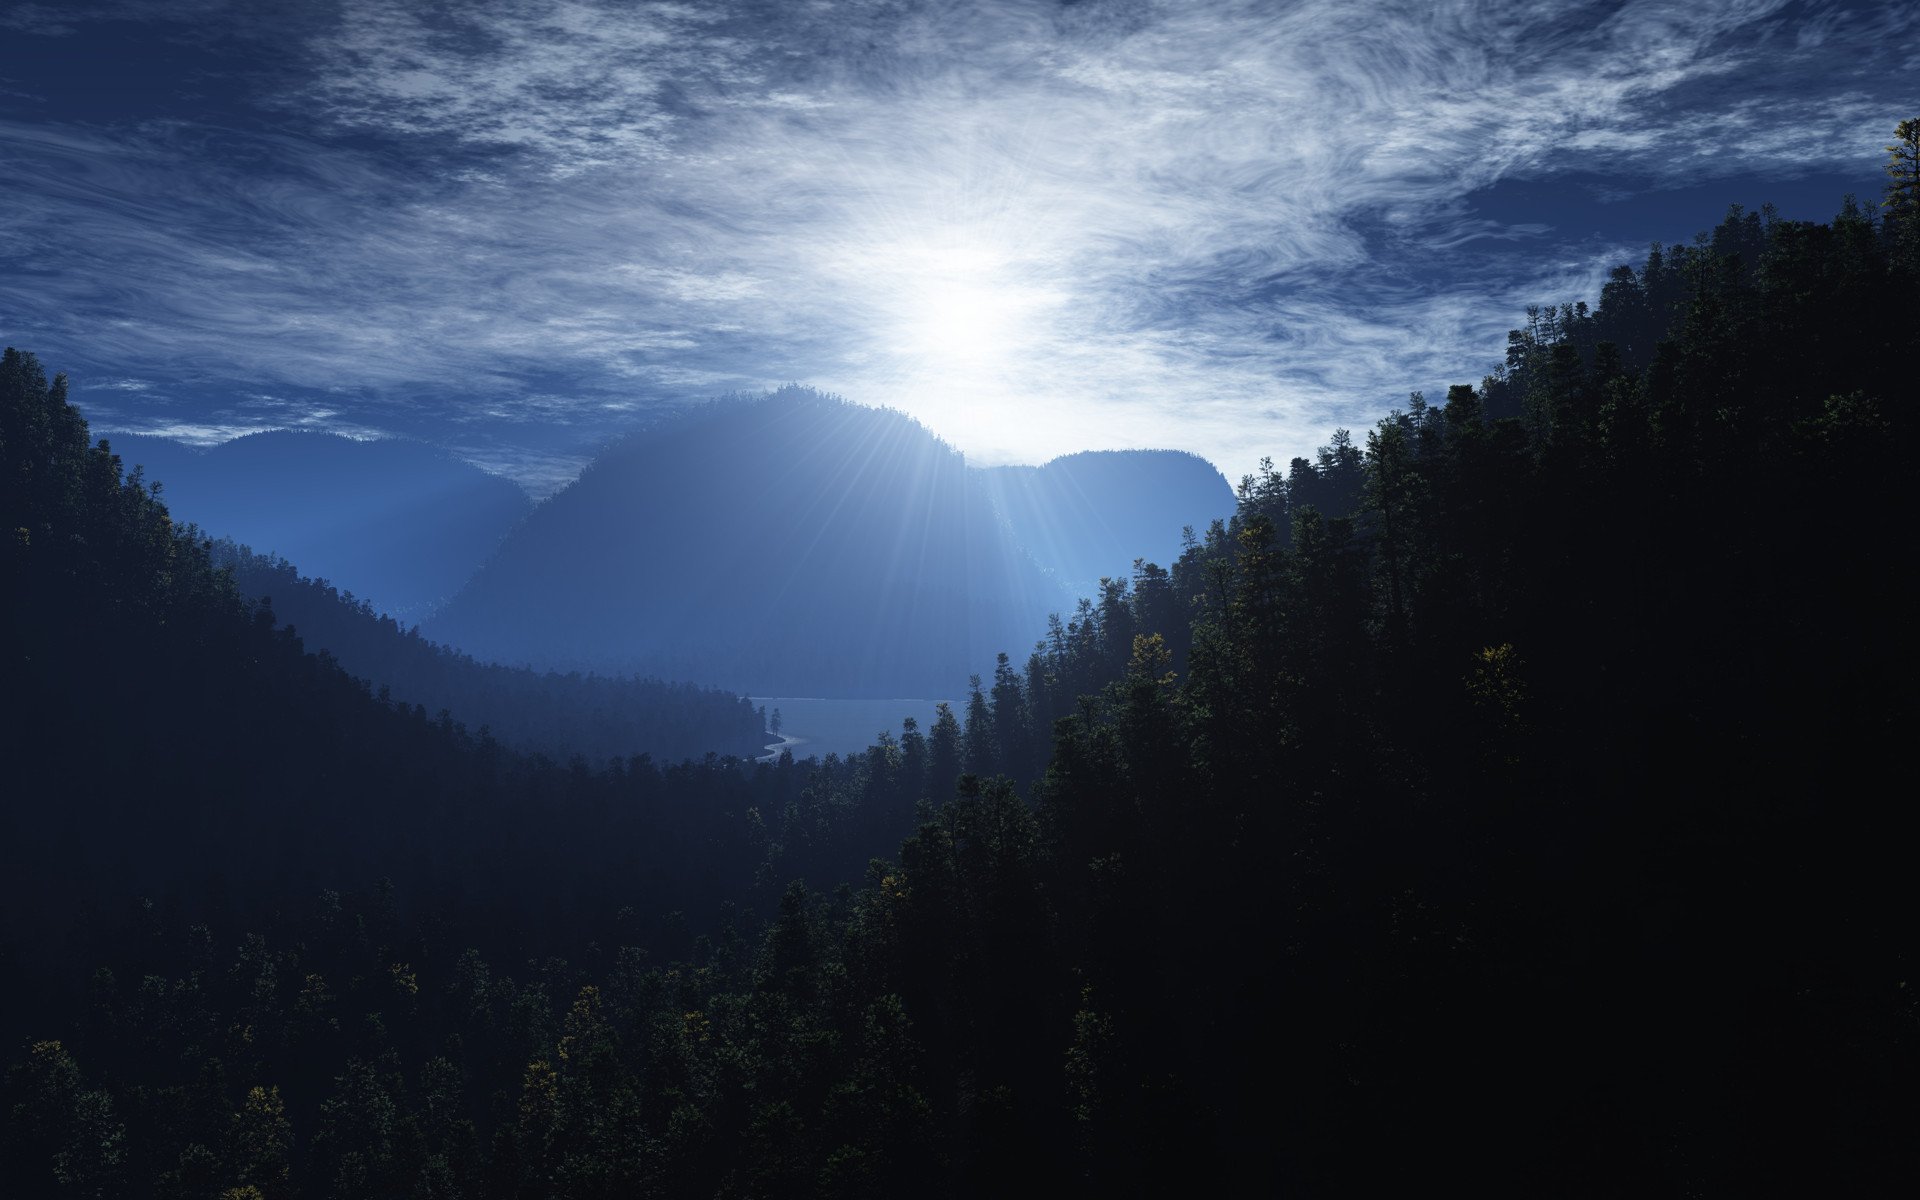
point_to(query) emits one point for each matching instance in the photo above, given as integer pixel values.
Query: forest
(1507, 793)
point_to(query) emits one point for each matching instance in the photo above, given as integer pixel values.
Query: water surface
(813, 727)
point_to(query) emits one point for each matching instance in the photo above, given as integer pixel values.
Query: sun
(958, 324)
(961, 307)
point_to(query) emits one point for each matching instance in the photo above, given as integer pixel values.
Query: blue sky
(518, 228)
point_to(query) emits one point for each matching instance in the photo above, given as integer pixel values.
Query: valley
(889, 600)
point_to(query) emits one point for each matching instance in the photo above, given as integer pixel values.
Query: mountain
(790, 544)
(595, 716)
(1088, 516)
(1521, 812)
(396, 522)
(169, 753)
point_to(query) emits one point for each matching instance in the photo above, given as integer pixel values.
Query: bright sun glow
(965, 319)
(959, 324)
(960, 308)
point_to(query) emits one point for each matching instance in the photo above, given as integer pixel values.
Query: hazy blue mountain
(793, 544)
(595, 716)
(395, 522)
(1089, 515)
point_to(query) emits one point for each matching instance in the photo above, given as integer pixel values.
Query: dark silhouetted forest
(1508, 797)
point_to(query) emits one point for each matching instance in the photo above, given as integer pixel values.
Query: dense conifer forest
(1508, 797)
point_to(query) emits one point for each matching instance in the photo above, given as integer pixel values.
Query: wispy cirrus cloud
(1221, 226)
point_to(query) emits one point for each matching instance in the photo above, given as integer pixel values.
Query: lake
(816, 728)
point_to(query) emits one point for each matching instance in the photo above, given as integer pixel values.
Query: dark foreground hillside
(1509, 796)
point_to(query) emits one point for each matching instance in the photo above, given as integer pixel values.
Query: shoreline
(787, 742)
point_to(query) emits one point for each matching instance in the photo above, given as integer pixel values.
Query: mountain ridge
(1089, 515)
(788, 544)
(398, 522)
(559, 715)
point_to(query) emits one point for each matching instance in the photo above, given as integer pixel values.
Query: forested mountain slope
(1520, 803)
(393, 522)
(166, 737)
(1088, 516)
(596, 716)
(792, 544)
(1501, 796)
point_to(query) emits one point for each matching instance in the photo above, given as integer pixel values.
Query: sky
(517, 229)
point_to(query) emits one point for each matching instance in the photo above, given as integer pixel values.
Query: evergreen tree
(943, 753)
(1902, 202)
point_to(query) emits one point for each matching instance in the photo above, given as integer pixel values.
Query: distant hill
(396, 522)
(1089, 515)
(595, 716)
(792, 544)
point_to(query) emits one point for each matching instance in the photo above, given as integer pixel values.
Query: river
(813, 727)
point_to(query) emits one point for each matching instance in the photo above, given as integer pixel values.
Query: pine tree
(1902, 203)
(943, 754)
(1903, 171)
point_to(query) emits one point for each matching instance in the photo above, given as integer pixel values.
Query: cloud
(200, 434)
(586, 85)
(1223, 226)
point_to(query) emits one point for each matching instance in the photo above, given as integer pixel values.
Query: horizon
(890, 757)
(663, 421)
(517, 230)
